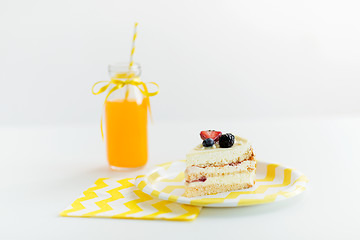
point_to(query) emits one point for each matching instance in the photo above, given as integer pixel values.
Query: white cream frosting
(203, 156)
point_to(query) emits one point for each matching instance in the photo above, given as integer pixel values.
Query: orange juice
(126, 133)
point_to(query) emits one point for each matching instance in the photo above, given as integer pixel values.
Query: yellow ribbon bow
(122, 80)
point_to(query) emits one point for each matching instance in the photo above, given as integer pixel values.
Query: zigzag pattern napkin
(120, 198)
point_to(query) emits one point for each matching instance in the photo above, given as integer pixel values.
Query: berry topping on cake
(209, 142)
(226, 140)
(214, 135)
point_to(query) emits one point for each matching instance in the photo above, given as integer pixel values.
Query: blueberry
(208, 142)
(226, 140)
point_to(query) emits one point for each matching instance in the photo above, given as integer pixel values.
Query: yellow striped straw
(133, 47)
(131, 58)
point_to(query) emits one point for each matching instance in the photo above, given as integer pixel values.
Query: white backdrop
(212, 59)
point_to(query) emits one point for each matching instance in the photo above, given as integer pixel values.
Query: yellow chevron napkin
(120, 198)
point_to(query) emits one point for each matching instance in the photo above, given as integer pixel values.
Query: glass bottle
(126, 121)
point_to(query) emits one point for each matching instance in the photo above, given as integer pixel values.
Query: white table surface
(44, 168)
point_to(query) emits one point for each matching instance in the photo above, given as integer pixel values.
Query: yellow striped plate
(273, 183)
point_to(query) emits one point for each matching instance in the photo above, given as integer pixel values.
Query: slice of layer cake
(222, 163)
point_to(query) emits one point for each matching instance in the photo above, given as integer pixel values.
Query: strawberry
(214, 135)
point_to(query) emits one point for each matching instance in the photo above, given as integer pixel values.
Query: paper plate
(273, 183)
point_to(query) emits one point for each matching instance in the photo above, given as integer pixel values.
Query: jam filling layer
(234, 164)
(201, 179)
(250, 158)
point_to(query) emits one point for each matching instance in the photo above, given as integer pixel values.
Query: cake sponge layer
(220, 184)
(195, 173)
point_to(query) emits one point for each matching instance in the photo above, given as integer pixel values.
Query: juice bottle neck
(120, 70)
